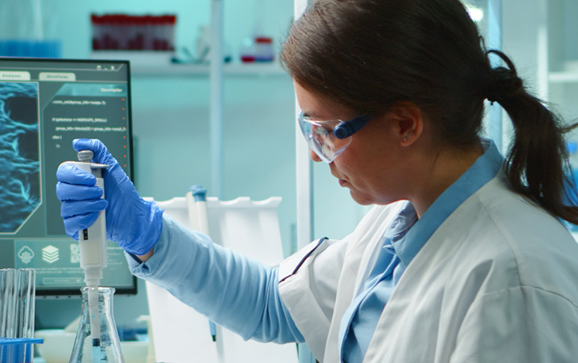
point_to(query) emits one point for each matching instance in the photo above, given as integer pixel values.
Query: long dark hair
(370, 54)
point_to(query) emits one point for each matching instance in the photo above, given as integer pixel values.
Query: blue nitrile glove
(130, 220)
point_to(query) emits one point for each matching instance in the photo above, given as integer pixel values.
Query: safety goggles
(329, 138)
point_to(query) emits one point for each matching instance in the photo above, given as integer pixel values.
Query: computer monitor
(44, 105)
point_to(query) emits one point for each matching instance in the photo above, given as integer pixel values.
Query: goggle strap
(346, 129)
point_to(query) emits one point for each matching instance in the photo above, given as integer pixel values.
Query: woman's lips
(342, 182)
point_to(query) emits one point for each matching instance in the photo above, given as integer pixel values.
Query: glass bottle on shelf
(109, 348)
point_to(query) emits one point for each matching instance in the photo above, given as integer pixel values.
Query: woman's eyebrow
(310, 114)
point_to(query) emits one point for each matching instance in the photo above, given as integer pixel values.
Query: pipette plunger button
(85, 155)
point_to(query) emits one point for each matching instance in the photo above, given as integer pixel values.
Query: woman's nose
(314, 156)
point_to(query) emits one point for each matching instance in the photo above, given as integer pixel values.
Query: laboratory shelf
(202, 70)
(158, 64)
(563, 77)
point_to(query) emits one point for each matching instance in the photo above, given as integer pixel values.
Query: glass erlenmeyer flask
(109, 349)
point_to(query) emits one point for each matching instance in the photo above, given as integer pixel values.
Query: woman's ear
(408, 122)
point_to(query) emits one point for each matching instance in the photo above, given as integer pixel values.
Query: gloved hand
(130, 220)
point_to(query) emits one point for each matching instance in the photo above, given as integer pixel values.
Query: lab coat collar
(484, 169)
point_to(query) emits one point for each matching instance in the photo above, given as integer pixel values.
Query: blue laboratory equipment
(200, 202)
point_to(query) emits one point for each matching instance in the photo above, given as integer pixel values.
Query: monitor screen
(44, 105)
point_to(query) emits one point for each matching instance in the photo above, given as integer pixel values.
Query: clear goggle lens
(321, 138)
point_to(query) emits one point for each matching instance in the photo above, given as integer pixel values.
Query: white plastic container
(179, 332)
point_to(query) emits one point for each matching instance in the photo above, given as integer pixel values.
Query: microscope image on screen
(19, 156)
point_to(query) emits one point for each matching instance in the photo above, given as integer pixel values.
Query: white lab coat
(497, 282)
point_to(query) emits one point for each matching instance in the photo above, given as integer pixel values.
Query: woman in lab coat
(464, 257)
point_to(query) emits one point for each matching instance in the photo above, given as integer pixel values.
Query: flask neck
(105, 295)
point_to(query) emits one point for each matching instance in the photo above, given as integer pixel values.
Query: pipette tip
(96, 350)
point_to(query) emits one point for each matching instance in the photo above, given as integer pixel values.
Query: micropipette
(197, 198)
(93, 256)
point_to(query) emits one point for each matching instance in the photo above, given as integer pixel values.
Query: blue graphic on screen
(19, 157)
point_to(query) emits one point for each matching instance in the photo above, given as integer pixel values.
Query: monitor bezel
(75, 292)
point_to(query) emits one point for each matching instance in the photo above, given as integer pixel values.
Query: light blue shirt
(403, 239)
(242, 294)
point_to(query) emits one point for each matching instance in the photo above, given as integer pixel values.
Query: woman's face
(371, 167)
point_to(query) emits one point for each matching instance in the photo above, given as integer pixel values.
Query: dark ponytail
(370, 54)
(537, 157)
